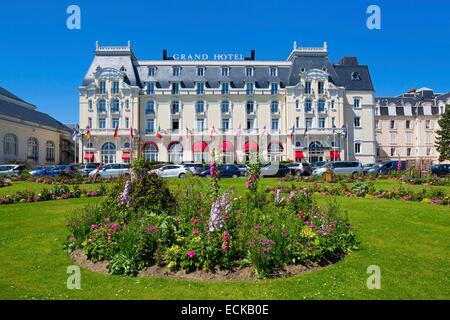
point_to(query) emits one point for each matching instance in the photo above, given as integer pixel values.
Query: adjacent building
(406, 125)
(29, 136)
(305, 108)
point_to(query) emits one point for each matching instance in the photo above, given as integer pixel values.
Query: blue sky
(44, 63)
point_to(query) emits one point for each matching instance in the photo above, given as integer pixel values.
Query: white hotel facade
(305, 108)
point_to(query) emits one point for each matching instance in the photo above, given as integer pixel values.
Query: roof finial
(96, 44)
(295, 45)
(129, 44)
(325, 45)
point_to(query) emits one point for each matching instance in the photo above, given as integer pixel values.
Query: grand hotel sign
(206, 56)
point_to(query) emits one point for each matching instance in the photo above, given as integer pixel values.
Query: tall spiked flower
(219, 209)
(125, 196)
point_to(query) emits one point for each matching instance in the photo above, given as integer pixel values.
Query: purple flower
(125, 198)
(196, 231)
(94, 227)
(191, 254)
(220, 208)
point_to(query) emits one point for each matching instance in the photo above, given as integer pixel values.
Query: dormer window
(273, 71)
(200, 72)
(102, 87)
(150, 88)
(176, 71)
(225, 71)
(320, 87)
(200, 87)
(357, 103)
(151, 71)
(356, 76)
(274, 88)
(175, 88)
(249, 88)
(249, 71)
(115, 87)
(308, 87)
(225, 87)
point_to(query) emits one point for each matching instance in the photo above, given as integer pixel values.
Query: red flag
(131, 134)
(158, 135)
(116, 133)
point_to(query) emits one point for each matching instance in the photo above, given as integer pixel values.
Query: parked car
(243, 168)
(85, 169)
(195, 168)
(11, 169)
(385, 167)
(340, 167)
(225, 171)
(318, 164)
(274, 170)
(442, 169)
(112, 170)
(171, 171)
(299, 169)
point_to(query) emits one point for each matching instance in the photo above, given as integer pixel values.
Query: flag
(292, 133)
(238, 131)
(116, 133)
(75, 134)
(345, 132)
(158, 134)
(88, 134)
(131, 134)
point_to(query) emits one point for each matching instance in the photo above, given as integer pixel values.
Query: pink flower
(196, 231)
(225, 246)
(212, 170)
(436, 201)
(312, 226)
(194, 221)
(152, 229)
(257, 227)
(191, 254)
(94, 227)
(226, 236)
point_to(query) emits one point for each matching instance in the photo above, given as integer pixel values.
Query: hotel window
(175, 88)
(151, 71)
(357, 122)
(102, 87)
(250, 107)
(49, 151)
(115, 123)
(101, 107)
(127, 105)
(250, 124)
(150, 108)
(115, 106)
(10, 145)
(175, 125)
(408, 124)
(225, 71)
(333, 107)
(175, 107)
(308, 123)
(225, 124)
(393, 138)
(274, 88)
(176, 71)
(273, 71)
(249, 88)
(429, 137)
(225, 107)
(151, 153)
(308, 105)
(408, 152)
(225, 87)
(200, 125)
(308, 87)
(89, 126)
(150, 126)
(200, 71)
(33, 149)
(274, 107)
(429, 151)
(356, 103)
(249, 72)
(109, 153)
(115, 87)
(428, 124)
(200, 107)
(200, 87)
(333, 122)
(357, 148)
(90, 105)
(150, 88)
(102, 123)
(320, 87)
(297, 105)
(322, 123)
(297, 122)
(321, 105)
(408, 138)
(127, 122)
(393, 152)
(274, 125)
(392, 124)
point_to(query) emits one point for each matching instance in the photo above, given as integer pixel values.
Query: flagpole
(334, 145)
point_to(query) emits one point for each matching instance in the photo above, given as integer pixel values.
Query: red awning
(126, 155)
(89, 156)
(334, 155)
(299, 155)
(199, 146)
(227, 146)
(150, 143)
(251, 146)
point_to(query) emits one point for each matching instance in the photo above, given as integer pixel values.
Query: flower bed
(201, 227)
(5, 182)
(59, 192)
(65, 179)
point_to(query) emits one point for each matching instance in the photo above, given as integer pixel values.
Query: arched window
(175, 152)
(10, 145)
(101, 107)
(109, 153)
(50, 152)
(115, 106)
(321, 105)
(308, 105)
(151, 152)
(275, 150)
(33, 149)
(200, 106)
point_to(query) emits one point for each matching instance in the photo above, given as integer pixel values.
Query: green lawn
(408, 241)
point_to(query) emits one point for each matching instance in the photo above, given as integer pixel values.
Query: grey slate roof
(21, 113)
(6, 93)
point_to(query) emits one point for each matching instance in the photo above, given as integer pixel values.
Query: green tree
(443, 136)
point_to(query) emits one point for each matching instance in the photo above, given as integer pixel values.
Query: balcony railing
(217, 92)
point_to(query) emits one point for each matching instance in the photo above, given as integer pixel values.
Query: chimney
(164, 57)
(252, 55)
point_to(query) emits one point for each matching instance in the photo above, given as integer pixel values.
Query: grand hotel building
(305, 108)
